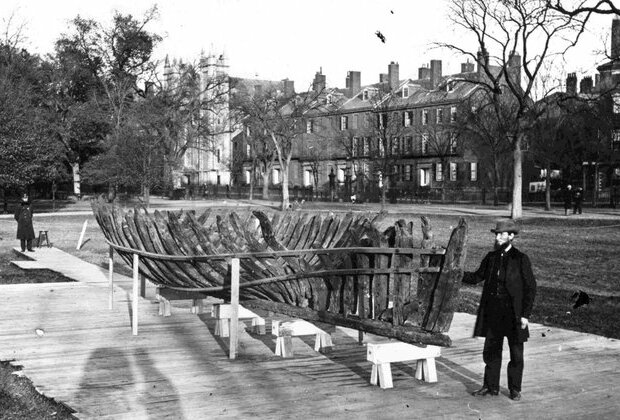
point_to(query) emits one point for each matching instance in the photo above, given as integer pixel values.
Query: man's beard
(503, 246)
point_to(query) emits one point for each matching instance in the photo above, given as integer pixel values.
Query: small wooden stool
(382, 354)
(43, 234)
(285, 331)
(222, 313)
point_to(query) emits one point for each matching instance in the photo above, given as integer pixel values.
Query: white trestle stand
(222, 313)
(382, 354)
(284, 331)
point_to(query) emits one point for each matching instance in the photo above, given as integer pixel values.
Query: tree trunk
(517, 188)
(285, 197)
(265, 185)
(146, 194)
(75, 168)
(548, 188)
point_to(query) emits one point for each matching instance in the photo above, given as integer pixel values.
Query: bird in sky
(380, 36)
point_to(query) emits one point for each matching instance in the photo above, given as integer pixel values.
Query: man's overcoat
(520, 284)
(23, 215)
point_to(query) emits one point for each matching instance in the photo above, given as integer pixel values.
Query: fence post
(111, 277)
(136, 290)
(234, 306)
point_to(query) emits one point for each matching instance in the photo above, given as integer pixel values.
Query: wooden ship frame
(336, 269)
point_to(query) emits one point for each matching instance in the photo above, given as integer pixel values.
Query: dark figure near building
(25, 230)
(505, 306)
(578, 197)
(568, 199)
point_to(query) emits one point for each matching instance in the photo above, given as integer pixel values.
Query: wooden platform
(177, 368)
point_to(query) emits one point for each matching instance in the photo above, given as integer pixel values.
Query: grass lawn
(567, 254)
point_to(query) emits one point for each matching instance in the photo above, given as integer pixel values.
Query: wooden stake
(234, 302)
(111, 278)
(136, 294)
(79, 244)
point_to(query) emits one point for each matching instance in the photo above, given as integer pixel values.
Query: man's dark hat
(506, 226)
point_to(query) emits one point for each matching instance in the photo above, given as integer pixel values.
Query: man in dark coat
(25, 230)
(505, 306)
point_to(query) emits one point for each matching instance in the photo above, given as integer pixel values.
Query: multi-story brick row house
(399, 132)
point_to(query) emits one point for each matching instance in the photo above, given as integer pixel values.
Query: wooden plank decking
(176, 368)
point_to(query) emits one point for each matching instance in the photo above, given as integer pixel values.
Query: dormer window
(328, 99)
(406, 92)
(365, 95)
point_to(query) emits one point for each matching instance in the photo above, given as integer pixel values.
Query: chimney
(435, 73)
(514, 67)
(354, 82)
(571, 83)
(319, 82)
(483, 58)
(288, 86)
(424, 73)
(615, 38)
(585, 86)
(393, 77)
(467, 67)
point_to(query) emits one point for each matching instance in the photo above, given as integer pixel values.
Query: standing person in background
(505, 306)
(578, 200)
(25, 230)
(568, 199)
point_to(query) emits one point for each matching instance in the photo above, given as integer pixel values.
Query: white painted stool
(222, 313)
(382, 354)
(285, 331)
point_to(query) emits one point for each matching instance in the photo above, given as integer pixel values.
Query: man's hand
(524, 323)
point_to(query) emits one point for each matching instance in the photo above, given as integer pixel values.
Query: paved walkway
(77, 351)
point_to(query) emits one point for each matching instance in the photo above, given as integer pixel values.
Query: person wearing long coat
(505, 306)
(25, 230)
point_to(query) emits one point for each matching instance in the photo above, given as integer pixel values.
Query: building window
(248, 177)
(355, 144)
(407, 172)
(365, 95)
(473, 171)
(328, 99)
(452, 171)
(247, 131)
(308, 178)
(406, 92)
(366, 146)
(217, 155)
(438, 172)
(615, 140)
(424, 148)
(407, 117)
(425, 177)
(439, 119)
(309, 126)
(344, 123)
(453, 143)
(381, 147)
(395, 145)
(616, 99)
(409, 144)
(275, 176)
(452, 114)
(424, 116)
(248, 150)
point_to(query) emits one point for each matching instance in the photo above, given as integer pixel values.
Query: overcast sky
(276, 39)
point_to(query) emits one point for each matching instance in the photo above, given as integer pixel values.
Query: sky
(278, 39)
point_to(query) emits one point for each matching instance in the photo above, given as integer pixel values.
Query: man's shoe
(515, 395)
(485, 390)
(31, 250)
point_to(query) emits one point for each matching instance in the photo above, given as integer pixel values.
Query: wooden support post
(234, 302)
(79, 244)
(134, 301)
(111, 278)
(142, 286)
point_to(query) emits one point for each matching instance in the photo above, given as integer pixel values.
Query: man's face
(502, 238)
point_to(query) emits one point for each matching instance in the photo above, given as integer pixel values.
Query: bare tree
(513, 30)
(282, 117)
(585, 8)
